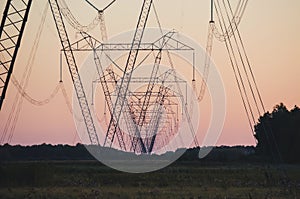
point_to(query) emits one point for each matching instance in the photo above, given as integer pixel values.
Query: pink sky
(270, 30)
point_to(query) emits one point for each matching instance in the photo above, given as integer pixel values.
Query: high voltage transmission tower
(146, 113)
(143, 119)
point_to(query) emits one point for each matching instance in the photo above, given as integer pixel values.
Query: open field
(90, 179)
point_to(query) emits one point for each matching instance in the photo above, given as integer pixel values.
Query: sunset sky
(270, 31)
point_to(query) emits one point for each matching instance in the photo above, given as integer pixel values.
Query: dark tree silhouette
(278, 134)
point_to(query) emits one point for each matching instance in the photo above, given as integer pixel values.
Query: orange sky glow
(270, 30)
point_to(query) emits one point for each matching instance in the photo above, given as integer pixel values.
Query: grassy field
(89, 179)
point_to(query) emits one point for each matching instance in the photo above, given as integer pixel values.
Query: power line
(32, 100)
(238, 79)
(71, 19)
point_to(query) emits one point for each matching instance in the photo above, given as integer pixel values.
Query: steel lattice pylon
(11, 31)
(151, 110)
(137, 117)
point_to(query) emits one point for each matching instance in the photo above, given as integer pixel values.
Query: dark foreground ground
(90, 179)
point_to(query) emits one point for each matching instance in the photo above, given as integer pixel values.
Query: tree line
(277, 134)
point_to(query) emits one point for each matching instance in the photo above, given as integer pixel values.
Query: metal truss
(172, 45)
(81, 96)
(11, 31)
